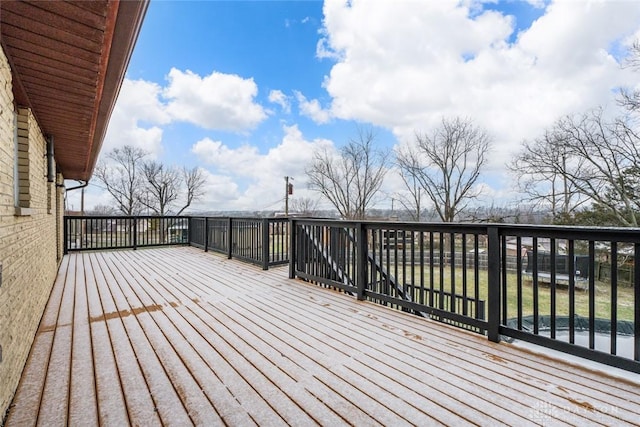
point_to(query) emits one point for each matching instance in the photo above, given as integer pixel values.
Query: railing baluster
(503, 276)
(441, 304)
(431, 269)
(572, 292)
(465, 309)
(452, 263)
(476, 277)
(552, 287)
(536, 318)
(614, 297)
(519, 281)
(636, 302)
(422, 289)
(592, 295)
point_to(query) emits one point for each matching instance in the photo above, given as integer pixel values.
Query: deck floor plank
(324, 344)
(177, 336)
(455, 385)
(132, 311)
(112, 408)
(199, 407)
(151, 277)
(415, 385)
(29, 394)
(330, 403)
(54, 406)
(572, 405)
(83, 405)
(621, 399)
(139, 400)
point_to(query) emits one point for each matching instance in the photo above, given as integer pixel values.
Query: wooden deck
(177, 336)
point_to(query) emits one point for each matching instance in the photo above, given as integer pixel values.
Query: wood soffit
(68, 60)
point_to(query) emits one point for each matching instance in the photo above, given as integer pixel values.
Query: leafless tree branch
(352, 180)
(447, 164)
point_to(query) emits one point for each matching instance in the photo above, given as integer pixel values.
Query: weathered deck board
(177, 336)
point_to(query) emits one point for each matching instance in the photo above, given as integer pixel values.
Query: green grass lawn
(625, 303)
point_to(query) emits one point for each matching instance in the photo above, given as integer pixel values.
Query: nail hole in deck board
(125, 313)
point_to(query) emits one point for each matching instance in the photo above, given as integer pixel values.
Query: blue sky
(247, 90)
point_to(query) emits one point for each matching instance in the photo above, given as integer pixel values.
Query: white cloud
(240, 160)
(278, 97)
(217, 101)
(262, 174)
(403, 65)
(136, 117)
(219, 191)
(312, 109)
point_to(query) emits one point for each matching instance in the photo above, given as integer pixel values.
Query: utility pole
(288, 190)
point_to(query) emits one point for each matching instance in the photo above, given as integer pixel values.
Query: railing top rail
(622, 234)
(243, 218)
(116, 217)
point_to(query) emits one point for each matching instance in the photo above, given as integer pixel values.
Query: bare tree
(606, 170)
(447, 164)
(164, 186)
(541, 172)
(304, 205)
(631, 99)
(193, 181)
(120, 176)
(599, 163)
(411, 200)
(351, 180)
(135, 183)
(106, 210)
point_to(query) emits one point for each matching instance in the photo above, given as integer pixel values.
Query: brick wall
(29, 252)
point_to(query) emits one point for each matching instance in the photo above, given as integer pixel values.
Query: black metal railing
(262, 241)
(537, 284)
(120, 232)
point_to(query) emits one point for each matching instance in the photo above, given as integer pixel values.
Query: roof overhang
(68, 61)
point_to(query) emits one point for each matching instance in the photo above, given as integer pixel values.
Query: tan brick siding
(28, 250)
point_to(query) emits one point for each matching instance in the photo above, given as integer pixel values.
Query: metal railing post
(292, 248)
(230, 238)
(361, 260)
(206, 234)
(65, 237)
(265, 244)
(493, 275)
(135, 233)
(190, 231)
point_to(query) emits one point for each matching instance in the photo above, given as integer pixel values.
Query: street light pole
(288, 189)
